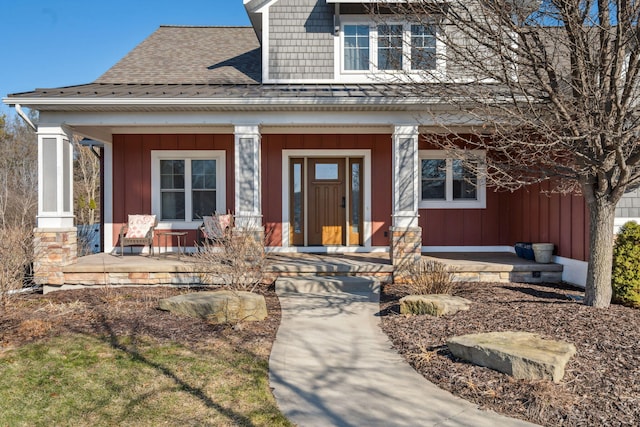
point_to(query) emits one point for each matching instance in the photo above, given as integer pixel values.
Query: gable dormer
(339, 41)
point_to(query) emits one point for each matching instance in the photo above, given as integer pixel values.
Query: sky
(54, 43)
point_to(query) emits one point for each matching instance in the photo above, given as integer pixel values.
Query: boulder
(522, 355)
(433, 304)
(218, 306)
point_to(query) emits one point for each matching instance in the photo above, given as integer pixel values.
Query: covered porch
(166, 269)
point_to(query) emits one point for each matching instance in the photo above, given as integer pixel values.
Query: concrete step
(318, 284)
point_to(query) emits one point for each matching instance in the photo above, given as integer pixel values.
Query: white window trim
(157, 155)
(449, 203)
(374, 73)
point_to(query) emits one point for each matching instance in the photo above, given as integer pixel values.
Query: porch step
(375, 266)
(319, 284)
(497, 267)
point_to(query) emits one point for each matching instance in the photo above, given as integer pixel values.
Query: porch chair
(138, 231)
(215, 229)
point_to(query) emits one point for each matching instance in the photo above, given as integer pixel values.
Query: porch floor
(100, 269)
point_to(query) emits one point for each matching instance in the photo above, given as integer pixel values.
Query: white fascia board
(163, 120)
(257, 6)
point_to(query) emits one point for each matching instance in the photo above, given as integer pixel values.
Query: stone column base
(53, 249)
(405, 248)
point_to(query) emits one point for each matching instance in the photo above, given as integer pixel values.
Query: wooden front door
(327, 202)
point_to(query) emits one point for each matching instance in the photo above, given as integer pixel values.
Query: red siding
(380, 146)
(525, 215)
(132, 170)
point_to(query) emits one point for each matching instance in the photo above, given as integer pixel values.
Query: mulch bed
(130, 312)
(601, 385)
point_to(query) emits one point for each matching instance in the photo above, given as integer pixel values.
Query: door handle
(344, 203)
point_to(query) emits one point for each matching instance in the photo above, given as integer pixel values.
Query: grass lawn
(79, 366)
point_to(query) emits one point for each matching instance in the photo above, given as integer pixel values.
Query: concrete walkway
(331, 364)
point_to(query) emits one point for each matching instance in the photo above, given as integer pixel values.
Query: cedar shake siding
(629, 205)
(301, 40)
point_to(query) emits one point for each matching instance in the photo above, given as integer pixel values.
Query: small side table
(179, 235)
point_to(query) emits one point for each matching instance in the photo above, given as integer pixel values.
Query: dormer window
(423, 47)
(390, 47)
(395, 46)
(356, 47)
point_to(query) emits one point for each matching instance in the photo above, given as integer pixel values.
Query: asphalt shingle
(191, 55)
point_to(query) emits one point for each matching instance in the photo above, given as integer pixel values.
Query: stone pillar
(405, 233)
(54, 248)
(248, 194)
(55, 238)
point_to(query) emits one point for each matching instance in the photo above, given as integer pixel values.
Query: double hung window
(447, 182)
(187, 185)
(389, 47)
(356, 47)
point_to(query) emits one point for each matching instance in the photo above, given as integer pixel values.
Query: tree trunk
(598, 287)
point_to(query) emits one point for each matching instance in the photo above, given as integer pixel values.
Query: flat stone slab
(433, 304)
(218, 306)
(522, 355)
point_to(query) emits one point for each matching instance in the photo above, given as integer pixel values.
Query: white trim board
(468, 249)
(574, 271)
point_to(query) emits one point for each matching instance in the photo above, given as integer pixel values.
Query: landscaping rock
(433, 304)
(522, 355)
(218, 306)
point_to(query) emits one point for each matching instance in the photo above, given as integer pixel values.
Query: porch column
(406, 234)
(248, 194)
(55, 238)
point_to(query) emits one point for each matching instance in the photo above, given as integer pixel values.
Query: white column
(55, 178)
(406, 176)
(248, 194)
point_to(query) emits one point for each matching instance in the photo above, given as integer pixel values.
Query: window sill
(462, 204)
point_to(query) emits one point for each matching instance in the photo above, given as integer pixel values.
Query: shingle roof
(191, 55)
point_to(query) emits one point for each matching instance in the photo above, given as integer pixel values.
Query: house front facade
(303, 126)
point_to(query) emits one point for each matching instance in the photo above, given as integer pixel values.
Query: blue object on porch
(525, 250)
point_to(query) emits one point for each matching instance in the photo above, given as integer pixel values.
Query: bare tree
(86, 183)
(549, 89)
(18, 174)
(18, 203)
(86, 190)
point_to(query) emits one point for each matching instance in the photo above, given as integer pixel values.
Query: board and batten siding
(132, 172)
(380, 146)
(301, 41)
(527, 215)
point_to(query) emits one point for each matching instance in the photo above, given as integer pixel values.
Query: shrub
(428, 277)
(15, 260)
(239, 262)
(625, 279)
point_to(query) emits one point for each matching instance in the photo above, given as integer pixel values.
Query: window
(187, 185)
(356, 47)
(423, 47)
(452, 182)
(389, 47)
